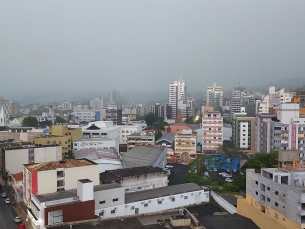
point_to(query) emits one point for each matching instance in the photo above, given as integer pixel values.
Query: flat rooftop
(70, 163)
(94, 140)
(275, 170)
(14, 147)
(102, 187)
(135, 171)
(96, 154)
(57, 195)
(161, 192)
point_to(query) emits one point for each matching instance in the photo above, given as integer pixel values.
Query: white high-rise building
(215, 97)
(96, 104)
(177, 98)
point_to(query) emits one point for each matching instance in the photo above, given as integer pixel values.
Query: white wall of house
(154, 205)
(96, 144)
(105, 164)
(109, 196)
(47, 181)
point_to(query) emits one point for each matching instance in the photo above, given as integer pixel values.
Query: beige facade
(24, 134)
(185, 144)
(140, 139)
(212, 128)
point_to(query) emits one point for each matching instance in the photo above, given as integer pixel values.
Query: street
(7, 214)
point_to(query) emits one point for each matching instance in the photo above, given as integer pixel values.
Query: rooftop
(107, 177)
(142, 156)
(161, 192)
(145, 134)
(70, 163)
(96, 154)
(18, 176)
(101, 187)
(93, 139)
(57, 195)
(14, 147)
(169, 137)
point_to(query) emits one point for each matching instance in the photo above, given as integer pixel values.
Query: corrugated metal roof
(169, 137)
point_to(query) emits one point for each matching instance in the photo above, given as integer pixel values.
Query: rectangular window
(268, 188)
(132, 207)
(256, 182)
(116, 199)
(256, 193)
(159, 201)
(145, 205)
(102, 202)
(276, 204)
(276, 216)
(276, 193)
(268, 199)
(101, 213)
(112, 211)
(186, 197)
(173, 199)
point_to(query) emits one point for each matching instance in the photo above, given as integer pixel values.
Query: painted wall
(108, 196)
(48, 154)
(47, 181)
(15, 159)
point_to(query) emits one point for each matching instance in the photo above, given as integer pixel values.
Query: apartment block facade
(185, 144)
(140, 139)
(215, 97)
(177, 98)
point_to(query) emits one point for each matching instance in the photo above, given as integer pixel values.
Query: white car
(168, 172)
(229, 180)
(234, 170)
(184, 163)
(215, 170)
(228, 170)
(224, 174)
(227, 176)
(7, 201)
(241, 173)
(17, 219)
(3, 194)
(169, 166)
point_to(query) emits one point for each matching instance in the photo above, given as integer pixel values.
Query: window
(112, 211)
(60, 173)
(276, 193)
(283, 219)
(159, 201)
(66, 142)
(101, 213)
(139, 188)
(256, 193)
(102, 202)
(268, 188)
(132, 207)
(145, 205)
(256, 182)
(173, 199)
(276, 204)
(116, 199)
(268, 199)
(283, 206)
(186, 197)
(60, 183)
(284, 195)
(276, 216)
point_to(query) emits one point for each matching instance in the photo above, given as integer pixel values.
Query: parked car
(184, 163)
(215, 170)
(227, 175)
(7, 201)
(17, 219)
(221, 173)
(241, 173)
(228, 170)
(169, 166)
(229, 180)
(21, 226)
(206, 174)
(4, 195)
(234, 170)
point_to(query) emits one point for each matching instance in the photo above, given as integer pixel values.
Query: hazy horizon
(90, 46)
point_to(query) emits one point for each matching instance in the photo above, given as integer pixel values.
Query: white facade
(214, 97)
(177, 97)
(3, 117)
(101, 129)
(212, 130)
(84, 116)
(16, 158)
(127, 130)
(274, 99)
(96, 143)
(96, 104)
(162, 203)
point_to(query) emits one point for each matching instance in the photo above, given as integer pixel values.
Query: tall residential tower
(215, 97)
(177, 98)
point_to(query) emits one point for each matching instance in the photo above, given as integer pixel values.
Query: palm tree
(5, 175)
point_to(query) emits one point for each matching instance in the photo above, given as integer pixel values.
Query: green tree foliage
(69, 155)
(150, 118)
(60, 120)
(30, 122)
(158, 128)
(2, 128)
(45, 123)
(198, 165)
(5, 175)
(189, 120)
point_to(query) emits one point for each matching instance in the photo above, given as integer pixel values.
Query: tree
(150, 118)
(30, 122)
(69, 155)
(60, 120)
(198, 165)
(158, 129)
(189, 120)
(5, 175)
(230, 153)
(45, 123)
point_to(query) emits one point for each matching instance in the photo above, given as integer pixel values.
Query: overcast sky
(96, 45)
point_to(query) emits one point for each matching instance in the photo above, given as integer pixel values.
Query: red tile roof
(18, 176)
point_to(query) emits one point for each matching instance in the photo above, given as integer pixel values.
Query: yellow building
(185, 144)
(61, 135)
(275, 198)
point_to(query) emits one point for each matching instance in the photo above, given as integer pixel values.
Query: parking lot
(178, 173)
(216, 177)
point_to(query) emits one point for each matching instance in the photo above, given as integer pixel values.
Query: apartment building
(114, 114)
(284, 130)
(140, 139)
(177, 98)
(275, 197)
(185, 144)
(243, 132)
(96, 143)
(24, 134)
(215, 97)
(137, 178)
(84, 116)
(51, 177)
(236, 101)
(212, 129)
(14, 157)
(274, 99)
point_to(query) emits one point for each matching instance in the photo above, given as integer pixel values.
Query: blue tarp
(221, 162)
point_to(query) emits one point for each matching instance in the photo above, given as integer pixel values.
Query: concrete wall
(162, 160)
(72, 175)
(153, 205)
(48, 154)
(15, 159)
(47, 181)
(108, 196)
(223, 203)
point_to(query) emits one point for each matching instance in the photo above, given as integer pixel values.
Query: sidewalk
(21, 212)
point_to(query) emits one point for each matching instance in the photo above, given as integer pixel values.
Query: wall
(162, 160)
(64, 141)
(47, 181)
(108, 196)
(154, 206)
(74, 212)
(15, 159)
(47, 154)
(223, 203)
(72, 175)
(105, 164)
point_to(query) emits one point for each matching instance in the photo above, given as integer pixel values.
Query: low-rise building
(140, 139)
(185, 144)
(15, 156)
(136, 178)
(19, 133)
(84, 116)
(96, 143)
(166, 140)
(107, 159)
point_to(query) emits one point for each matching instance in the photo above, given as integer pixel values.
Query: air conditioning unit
(192, 194)
(149, 201)
(142, 202)
(126, 206)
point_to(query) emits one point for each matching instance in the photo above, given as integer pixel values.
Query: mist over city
(152, 114)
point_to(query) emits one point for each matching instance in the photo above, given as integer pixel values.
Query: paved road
(7, 215)
(178, 173)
